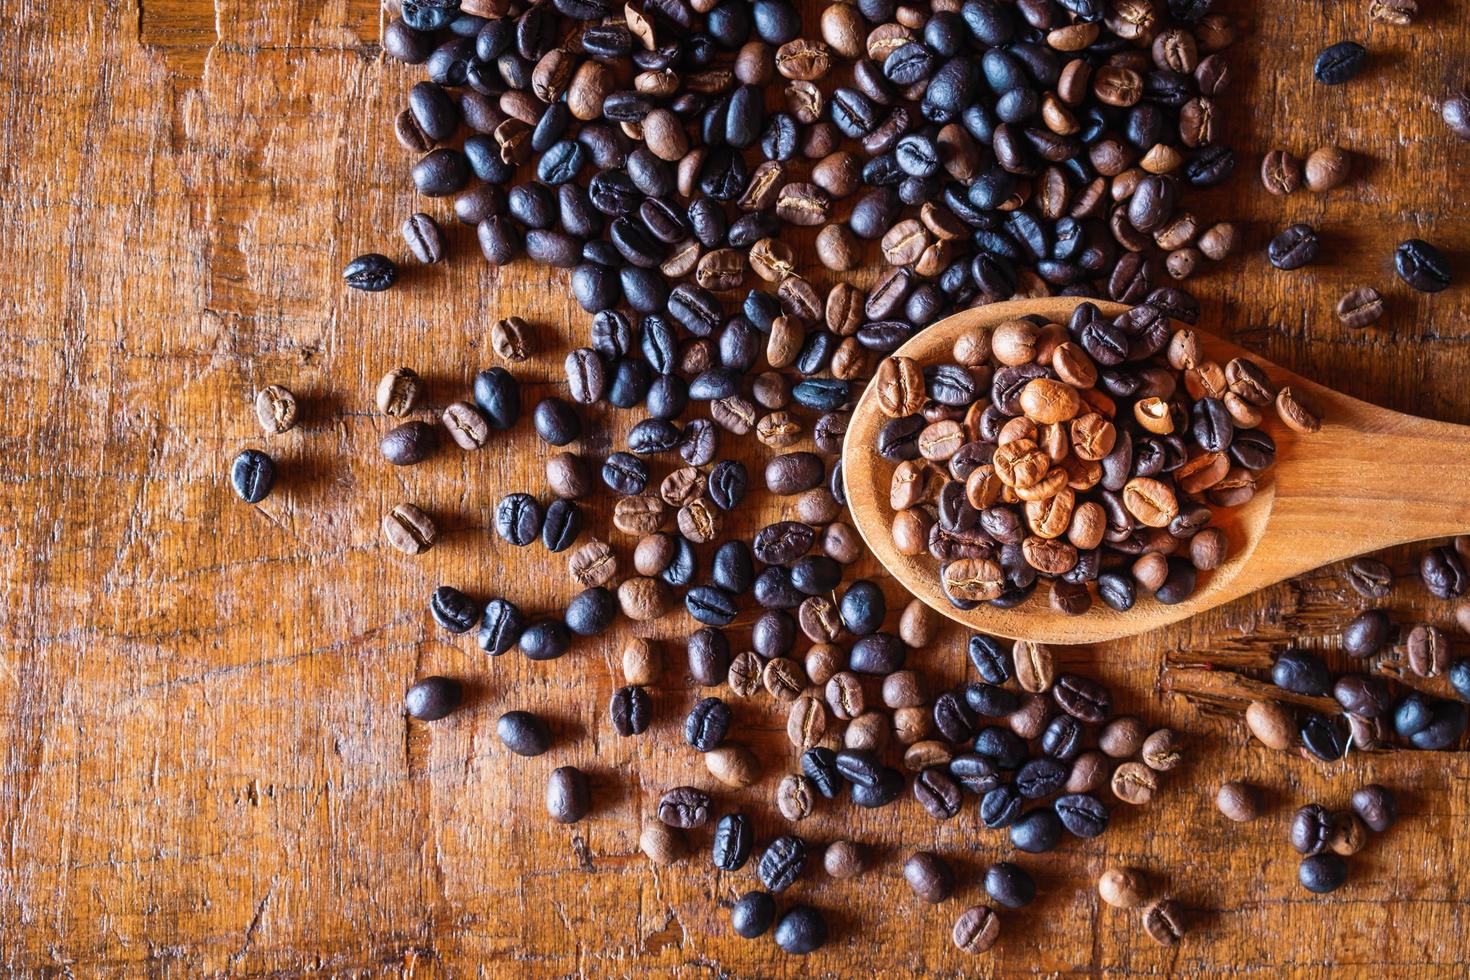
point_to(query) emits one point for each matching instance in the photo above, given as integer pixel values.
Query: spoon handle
(1369, 479)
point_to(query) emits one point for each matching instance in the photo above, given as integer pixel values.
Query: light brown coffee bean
(1134, 783)
(806, 722)
(664, 135)
(593, 564)
(917, 624)
(721, 270)
(900, 386)
(1219, 240)
(699, 521)
(1271, 724)
(926, 754)
(795, 797)
(733, 764)
(1122, 738)
(844, 859)
(510, 339)
(567, 476)
(903, 689)
(844, 694)
(803, 204)
(1238, 801)
(398, 392)
(778, 430)
(804, 60)
(1090, 772)
(867, 732)
(836, 248)
(653, 553)
(1035, 670)
(1349, 833)
(754, 64)
(639, 514)
(275, 409)
(409, 529)
(1296, 409)
(1281, 173)
(1123, 888)
(1030, 717)
(467, 426)
(1327, 168)
(782, 679)
(1164, 922)
(819, 619)
(772, 259)
(843, 29)
(642, 662)
(822, 661)
(643, 599)
(1428, 650)
(1360, 307)
(1399, 13)
(744, 676)
(1162, 750)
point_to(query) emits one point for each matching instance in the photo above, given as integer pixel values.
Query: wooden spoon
(1369, 479)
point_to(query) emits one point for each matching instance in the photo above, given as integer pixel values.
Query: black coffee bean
(625, 474)
(1362, 695)
(453, 610)
(1446, 725)
(1339, 63)
(1063, 738)
(879, 654)
(733, 841)
(433, 698)
(727, 484)
(974, 772)
(774, 633)
(1311, 828)
(630, 710)
(733, 569)
(1082, 814)
(591, 611)
(1459, 676)
(1001, 746)
(668, 397)
(706, 724)
(1293, 248)
(696, 309)
(1117, 590)
(1040, 777)
(500, 627)
(938, 793)
(499, 240)
(498, 395)
(802, 929)
(1412, 714)
(991, 661)
(371, 272)
(1422, 266)
(556, 421)
(523, 733)
(518, 519)
(815, 574)
(898, 440)
(862, 607)
(820, 766)
(1301, 672)
(682, 566)
(999, 807)
(1253, 449)
(653, 436)
(595, 287)
(711, 605)
(1322, 873)
(406, 43)
(1179, 584)
(1209, 166)
(782, 862)
(252, 474)
(1211, 425)
(441, 173)
(629, 383)
(545, 639)
(1009, 885)
(990, 700)
(752, 914)
(532, 205)
(1325, 736)
(1036, 831)
(709, 656)
(886, 790)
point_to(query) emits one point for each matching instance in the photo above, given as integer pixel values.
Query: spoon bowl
(1368, 479)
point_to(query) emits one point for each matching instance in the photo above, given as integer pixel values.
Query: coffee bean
(706, 724)
(568, 797)
(1134, 783)
(253, 474)
(1036, 831)
(1324, 736)
(976, 930)
(1370, 578)
(929, 876)
(662, 844)
(1360, 307)
(802, 929)
(1455, 110)
(518, 519)
(498, 395)
(1301, 672)
(1238, 801)
(1294, 247)
(782, 862)
(1322, 873)
(1442, 570)
(752, 914)
(371, 272)
(1339, 63)
(523, 733)
(453, 610)
(685, 807)
(1423, 266)
(1164, 922)
(545, 639)
(1376, 806)
(409, 529)
(733, 841)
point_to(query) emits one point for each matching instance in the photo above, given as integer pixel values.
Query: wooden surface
(1369, 478)
(206, 768)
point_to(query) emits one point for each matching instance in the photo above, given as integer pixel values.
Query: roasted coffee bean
(782, 862)
(518, 519)
(1036, 831)
(929, 876)
(253, 474)
(1301, 672)
(546, 639)
(1295, 247)
(1442, 570)
(1423, 266)
(523, 733)
(1082, 698)
(752, 914)
(630, 710)
(977, 928)
(1310, 829)
(1326, 737)
(706, 724)
(498, 395)
(1322, 873)
(408, 444)
(1370, 578)
(453, 610)
(1339, 63)
(733, 841)
(371, 273)
(625, 474)
(685, 807)
(568, 796)
(433, 698)
(1164, 922)
(802, 929)
(1376, 806)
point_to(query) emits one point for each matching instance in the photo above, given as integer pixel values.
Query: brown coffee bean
(1218, 241)
(1271, 724)
(806, 722)
(1122, 738)
(903, 689)
(1240, 802)
(275, 408)
(1161, 751)
(867, 732)
(927, 754)
(664, 135)
(822, 661)
(844, 859)
(1327, 167)
(1399, 13)
(653, 554)
(754, 64)
(1090, 772)
(804, 60)
(699, 521)
(1123, 888)
(509, 338)
(782, 679)
(1360, 307)
(398, 392)
(642, 662)
(904, 242)
(409, 529)
(643, 599)
(1281, 173)
(1134, 783)
(836, 248)
(567, 476)
(976, 930)
(733, 764)
(771, 258)
(1030, 717)
(409, 444)
(1297, 410)
(841, 543)
(744, 676)
(640, 514)
(917, 625)
(662, 844)
(819, 619)
(803, 204)
(1035, 671)
(1164, 922)
(1428, 650)
(844, 694)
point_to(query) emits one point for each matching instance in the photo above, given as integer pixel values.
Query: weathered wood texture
(206, 768)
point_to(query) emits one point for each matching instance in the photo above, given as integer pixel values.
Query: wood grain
(206, 768)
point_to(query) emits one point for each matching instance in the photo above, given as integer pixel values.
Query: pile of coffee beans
(1087, 456)
(1324, 837)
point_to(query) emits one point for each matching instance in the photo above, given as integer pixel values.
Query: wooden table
(206, 764)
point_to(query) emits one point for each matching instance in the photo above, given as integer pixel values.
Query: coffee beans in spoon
(1082, 457)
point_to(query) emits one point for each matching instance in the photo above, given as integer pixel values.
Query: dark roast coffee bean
(1376, 805)
(441, 173)
(500, 627)
(886, 790)
(545, 639)
(409, 443)
(433, 698)
(371, 272)
(727, 484)
(1367, 633)
(523, 733)
(1422, 266)
(820, 766)
(1446, 725)
(862, 608)
(1040, 777)
(625, 474)
(1326, 737)
(630, 710)
(518, 519)
(1083, 698)
(1009, 885)
(1001, 746)
(710, 605)
(990, 700)
(732, 569)
(1082, 815)
(706, 724)
(1037, 831)
(974, 772)
(752, 914)
(1443, 573)
(879, 654)
(1063, 738)
(568, 797)
(556, 421)
(591, 611)
(453, 610)
(782, 862)
(1293, 248)
(991, 661)
(498, 396)
(1322, 873)
(1339, 63)
(733, 841)
(802, 929)
(774, 634)
(1301, 672)
(252, 474)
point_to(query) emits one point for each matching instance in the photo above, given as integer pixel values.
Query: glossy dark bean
(498, 396)
(252, 475)
(371, 272)
(782, 862)
(433, 698)
(752, 914)
(523, 733)
(1009, 885)
(1339, 63)
(453, 610)
(1295, 247)
(733, 841)
(706, 724)
(1036, 831)
(546, 639)
(625, 474)
(1422, 266)
(1301, 672)
(518, 519)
